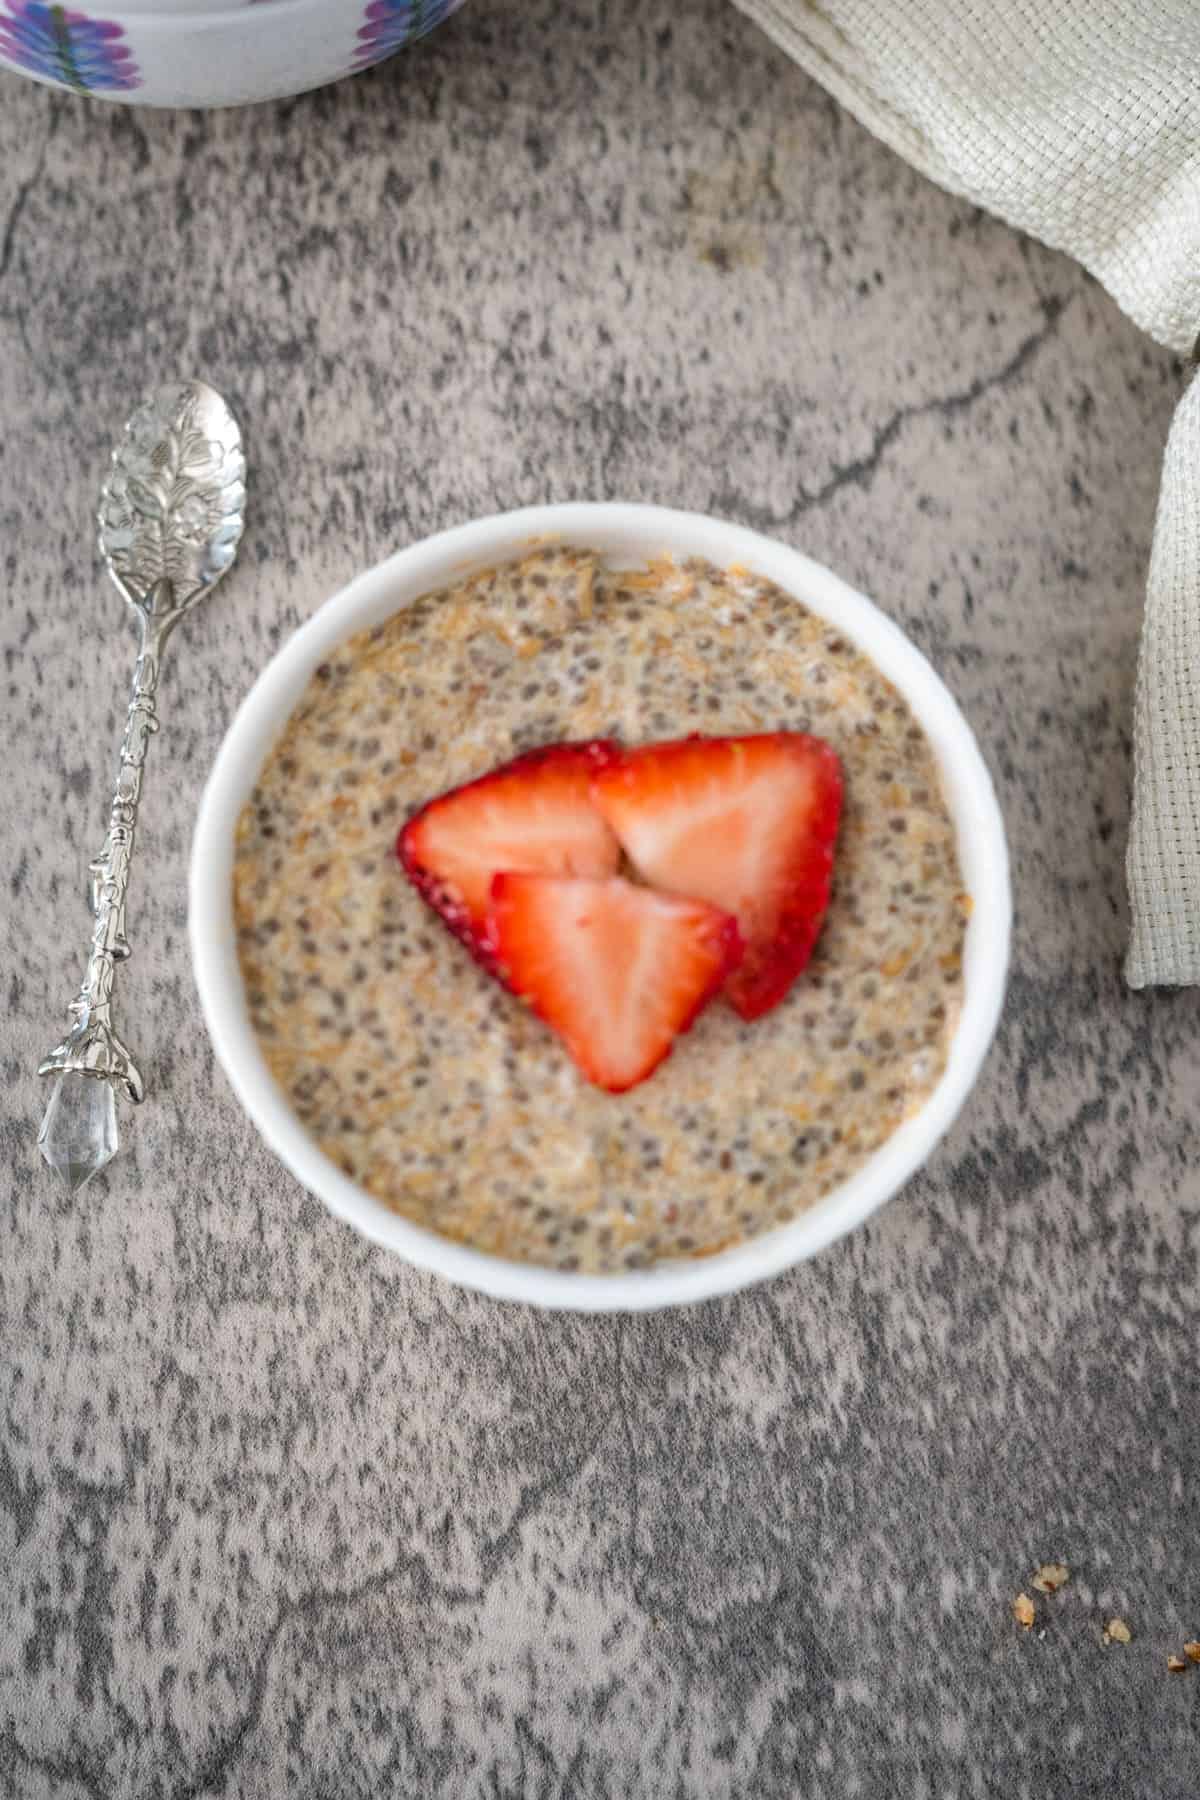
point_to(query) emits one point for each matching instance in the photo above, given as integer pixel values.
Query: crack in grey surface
(861, 472)
(74, 1765)
(216, 1765)
(16, 211)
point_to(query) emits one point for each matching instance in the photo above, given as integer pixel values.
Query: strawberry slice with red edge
(533, 814)
(617, 970)
(747, 824)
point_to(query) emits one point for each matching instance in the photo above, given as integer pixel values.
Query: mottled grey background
(280, 1516)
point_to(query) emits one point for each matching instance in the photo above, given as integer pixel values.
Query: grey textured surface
(279, 1515)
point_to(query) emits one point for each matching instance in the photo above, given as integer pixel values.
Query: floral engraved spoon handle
(92, 1046)
(170, 518)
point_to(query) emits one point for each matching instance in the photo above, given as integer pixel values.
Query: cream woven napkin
(1079, 122)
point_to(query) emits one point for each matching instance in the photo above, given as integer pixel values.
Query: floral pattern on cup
(66, 47)
(390, 24)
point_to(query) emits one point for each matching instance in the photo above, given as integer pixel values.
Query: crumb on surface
(1050, 1577)
(1024, 1611)
(1176, 1664)
(1117, 1632)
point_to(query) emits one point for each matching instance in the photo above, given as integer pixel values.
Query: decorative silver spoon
(171, 514)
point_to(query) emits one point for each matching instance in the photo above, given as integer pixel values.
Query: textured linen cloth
(1079, 122)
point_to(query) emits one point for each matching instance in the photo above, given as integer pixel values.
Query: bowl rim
(219, 12)
(632, 531)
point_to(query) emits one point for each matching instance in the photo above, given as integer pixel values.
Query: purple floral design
(66, 47)
(390, 24)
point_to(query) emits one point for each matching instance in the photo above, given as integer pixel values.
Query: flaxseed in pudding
(443, 1095)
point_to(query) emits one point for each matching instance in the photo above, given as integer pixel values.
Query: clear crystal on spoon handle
(92, 1046)
(78, 1136)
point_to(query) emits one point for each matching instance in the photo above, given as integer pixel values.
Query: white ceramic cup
(627, 534)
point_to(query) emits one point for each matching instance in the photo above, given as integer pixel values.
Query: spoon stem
(92, 1046)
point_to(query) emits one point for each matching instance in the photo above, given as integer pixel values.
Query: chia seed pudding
(443, 1096)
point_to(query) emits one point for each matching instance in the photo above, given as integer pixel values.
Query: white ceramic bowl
(626, 533)
(205, 52)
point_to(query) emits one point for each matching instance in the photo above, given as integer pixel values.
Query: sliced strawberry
(617, 970)
(747, 824)
(533, 814)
